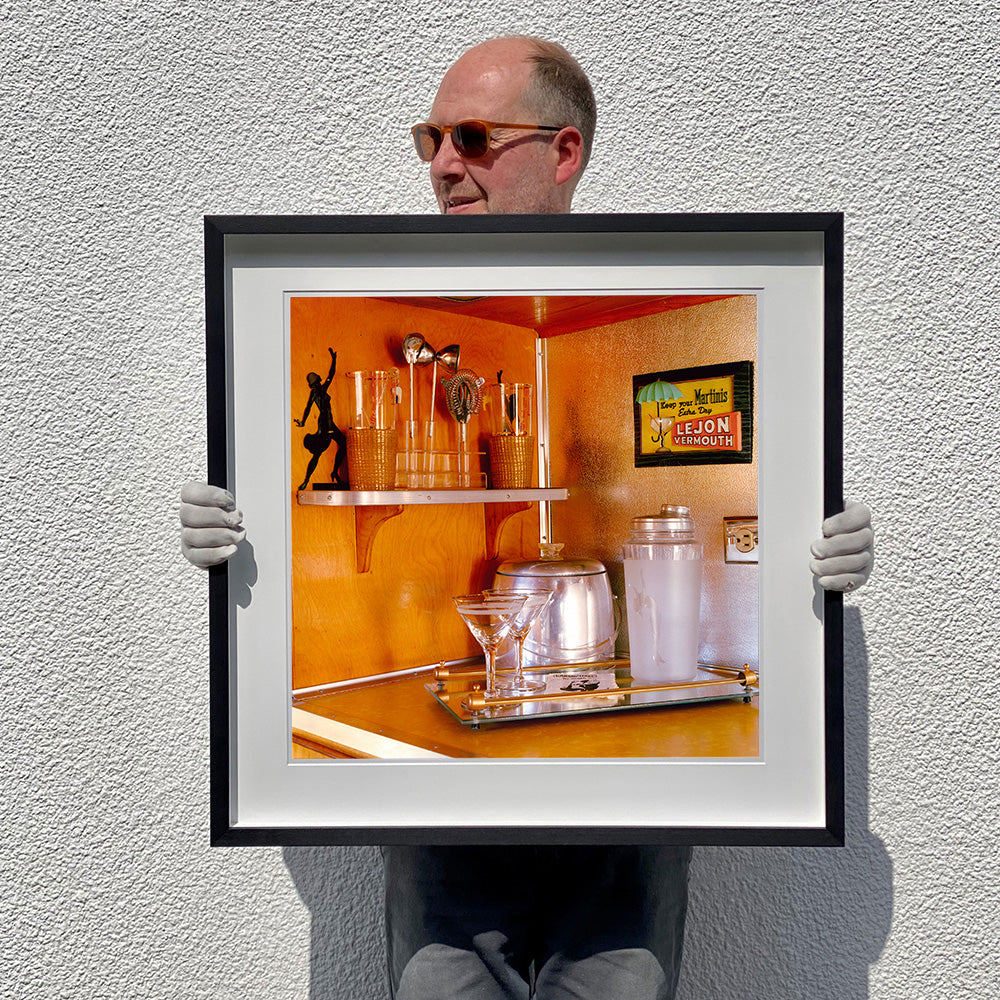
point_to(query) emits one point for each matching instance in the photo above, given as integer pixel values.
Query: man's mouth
(455, 204)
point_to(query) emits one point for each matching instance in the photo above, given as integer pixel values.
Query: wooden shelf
(392, 498)
(373, 508)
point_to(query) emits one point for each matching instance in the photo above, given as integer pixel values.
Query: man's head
(524, 81)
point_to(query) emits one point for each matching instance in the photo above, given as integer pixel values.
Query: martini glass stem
(491, 670)
(519, 673)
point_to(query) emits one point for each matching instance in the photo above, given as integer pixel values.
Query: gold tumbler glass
(371, 458)
(371, 436)
(512, 457)
(510, 412)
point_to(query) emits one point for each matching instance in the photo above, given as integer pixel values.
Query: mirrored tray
(582, 689)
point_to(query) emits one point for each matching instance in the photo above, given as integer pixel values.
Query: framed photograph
(528, 504)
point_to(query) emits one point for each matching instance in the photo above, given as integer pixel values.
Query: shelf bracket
(497, 515)
(368, 521)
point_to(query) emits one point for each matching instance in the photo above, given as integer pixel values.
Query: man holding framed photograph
(510, 131)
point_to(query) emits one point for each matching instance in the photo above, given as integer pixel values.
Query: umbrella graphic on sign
(659, 392)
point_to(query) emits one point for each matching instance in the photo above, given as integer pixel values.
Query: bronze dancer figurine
(327, 431)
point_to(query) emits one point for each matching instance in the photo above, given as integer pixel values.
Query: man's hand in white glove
(211, 526)
(845, 554)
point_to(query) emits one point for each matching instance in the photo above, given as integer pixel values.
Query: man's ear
(568, 145)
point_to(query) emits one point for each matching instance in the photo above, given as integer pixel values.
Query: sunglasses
(471, 138)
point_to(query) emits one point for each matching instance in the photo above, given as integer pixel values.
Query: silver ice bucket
(578, 626)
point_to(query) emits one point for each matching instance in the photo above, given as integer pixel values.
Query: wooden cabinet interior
(371, 590)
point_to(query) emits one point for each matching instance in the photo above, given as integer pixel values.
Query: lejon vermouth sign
(694, 416)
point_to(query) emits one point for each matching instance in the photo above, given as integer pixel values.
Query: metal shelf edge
(358, 498)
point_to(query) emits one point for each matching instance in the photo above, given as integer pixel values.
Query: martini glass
(489, 620)
(535, 602)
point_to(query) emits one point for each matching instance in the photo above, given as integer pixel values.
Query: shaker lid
(672, 517)
(543, 568)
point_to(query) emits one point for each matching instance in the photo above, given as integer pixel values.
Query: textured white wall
(122, 123)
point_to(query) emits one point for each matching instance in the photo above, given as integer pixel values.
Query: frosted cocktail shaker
(663, 563)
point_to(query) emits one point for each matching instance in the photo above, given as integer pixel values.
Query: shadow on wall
(796, 922)
(342, 887)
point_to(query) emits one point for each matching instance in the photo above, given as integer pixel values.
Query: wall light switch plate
(740, 539)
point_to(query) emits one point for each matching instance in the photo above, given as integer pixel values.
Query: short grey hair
(560, 93)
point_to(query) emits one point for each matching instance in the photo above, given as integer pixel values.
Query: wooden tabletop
(403, 710)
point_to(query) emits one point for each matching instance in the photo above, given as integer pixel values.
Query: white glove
(211, 526)
(845, 554)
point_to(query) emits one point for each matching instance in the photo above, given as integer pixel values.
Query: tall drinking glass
(371, 433)
(511, 443)
(489, 620)
(535, 602)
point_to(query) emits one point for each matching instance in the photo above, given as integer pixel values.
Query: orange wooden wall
(399, 614)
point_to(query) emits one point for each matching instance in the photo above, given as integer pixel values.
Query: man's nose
(447, 164)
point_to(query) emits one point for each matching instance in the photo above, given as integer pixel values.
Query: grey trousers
(552, 923)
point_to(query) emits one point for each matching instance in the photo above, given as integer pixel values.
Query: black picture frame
(306, 241)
